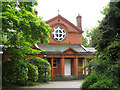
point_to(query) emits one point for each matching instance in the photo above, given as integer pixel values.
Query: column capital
(76, 56)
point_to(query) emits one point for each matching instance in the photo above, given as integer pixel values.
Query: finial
(36, 12)
(58, 11)
(34, 9)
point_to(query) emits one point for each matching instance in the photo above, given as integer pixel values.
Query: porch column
(76, 66)
(52, 66)
(62, 65)
(84, 66)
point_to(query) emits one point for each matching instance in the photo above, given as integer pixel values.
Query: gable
(70, 33)
(70, 51)
(61, 20)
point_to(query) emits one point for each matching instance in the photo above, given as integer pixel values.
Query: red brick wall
(57, 70)
(71, 36)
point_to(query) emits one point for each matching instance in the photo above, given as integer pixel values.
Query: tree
(107, 66)
(22, 28)
(93, 34)
(84, 41)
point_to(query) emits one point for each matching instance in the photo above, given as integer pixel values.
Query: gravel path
(62, 84)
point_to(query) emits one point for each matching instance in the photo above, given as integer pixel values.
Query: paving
(62, 84)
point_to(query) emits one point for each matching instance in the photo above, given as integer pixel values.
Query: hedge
(44, 68)
(14, 72)
(32, 72)
(98, 80)
(18, 72)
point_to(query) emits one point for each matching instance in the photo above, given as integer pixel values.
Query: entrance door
(67, 67)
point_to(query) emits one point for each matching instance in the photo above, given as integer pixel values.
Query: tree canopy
(84, 41)
(107, 66)
(21, 28)
(94, 33)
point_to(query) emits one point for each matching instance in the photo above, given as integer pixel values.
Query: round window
(58, 33)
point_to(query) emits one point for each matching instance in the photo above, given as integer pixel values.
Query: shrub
(80, 69)
(89, 80)
(14, 72)
(105, 83)
(32, 72)
(98, 80)
(44, 69)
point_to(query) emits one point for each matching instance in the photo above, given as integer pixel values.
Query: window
(58, 33)
(55, 63)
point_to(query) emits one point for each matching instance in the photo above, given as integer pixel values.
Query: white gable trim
(36, 46)
(83, 47)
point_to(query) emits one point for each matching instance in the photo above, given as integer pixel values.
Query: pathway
(62, 84)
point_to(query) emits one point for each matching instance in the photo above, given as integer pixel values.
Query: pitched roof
(64, 19)
(91, 49)
(59, 49)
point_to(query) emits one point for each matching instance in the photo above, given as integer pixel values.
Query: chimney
(78, 19)
(35, 11)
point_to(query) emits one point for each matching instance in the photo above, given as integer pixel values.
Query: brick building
(65, 51)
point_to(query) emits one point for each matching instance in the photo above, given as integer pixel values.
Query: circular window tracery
(58, 33)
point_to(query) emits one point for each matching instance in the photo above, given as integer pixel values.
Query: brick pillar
(62, 65)
(75, 66)
(52, 66)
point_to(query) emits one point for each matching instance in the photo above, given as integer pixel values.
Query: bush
(98, 80)
(44, 69)
(89, 80)
(32, 72)
(14, 72)
(105, 83)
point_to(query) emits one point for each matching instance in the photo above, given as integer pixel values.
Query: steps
(67, 78)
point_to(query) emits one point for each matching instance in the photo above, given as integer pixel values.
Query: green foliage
(21, 28)
(84, 41)
(107, 66)
(44, 69)
(105, 83)
(90, 80)
(93, 34)
(15, 72)
(98, 80)
(90, 63)
(106, 9)
(109, 28)
(18, 72)
(80, 68)
(32, 72)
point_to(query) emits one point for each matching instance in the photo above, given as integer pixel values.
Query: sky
(69, 9)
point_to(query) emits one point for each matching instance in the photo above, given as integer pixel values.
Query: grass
(29, 85)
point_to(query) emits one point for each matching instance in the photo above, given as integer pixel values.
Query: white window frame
(58, 33)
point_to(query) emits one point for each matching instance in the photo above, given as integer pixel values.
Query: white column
(83, 66)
